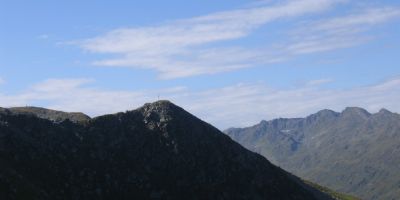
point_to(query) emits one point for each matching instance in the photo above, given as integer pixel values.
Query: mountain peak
(384, 111)
(326, 112)
(160, 111)
(356, 111)
(160, 105)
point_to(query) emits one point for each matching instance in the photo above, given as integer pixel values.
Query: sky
(231, 63)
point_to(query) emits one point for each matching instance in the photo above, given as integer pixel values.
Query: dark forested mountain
(158, 151)
(352, 151)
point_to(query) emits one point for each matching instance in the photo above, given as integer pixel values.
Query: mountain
(52, 115)
(158, 151)
(353, 151)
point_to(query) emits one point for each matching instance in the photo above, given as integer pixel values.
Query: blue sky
(232, 63)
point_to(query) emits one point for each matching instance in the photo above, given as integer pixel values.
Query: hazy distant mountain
(353, 151)
(158, 151)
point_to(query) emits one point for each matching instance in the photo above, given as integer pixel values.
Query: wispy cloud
(2, 81)
(172, 37)
(236, 105)
(190, 47)
(339, 32)
(178, 49)
(356, 22)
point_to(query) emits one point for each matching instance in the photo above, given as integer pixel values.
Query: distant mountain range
(158, 151)
(353, 151)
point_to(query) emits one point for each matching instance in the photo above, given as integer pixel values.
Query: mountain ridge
(53, 115)
(350, 151)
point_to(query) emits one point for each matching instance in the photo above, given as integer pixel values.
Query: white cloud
(339, 32)
(177, 49)
(236, 105)
(355, 22)
(171, 38)
(2, 81)
(186, 47)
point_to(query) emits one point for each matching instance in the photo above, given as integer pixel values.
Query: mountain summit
(158, 151)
